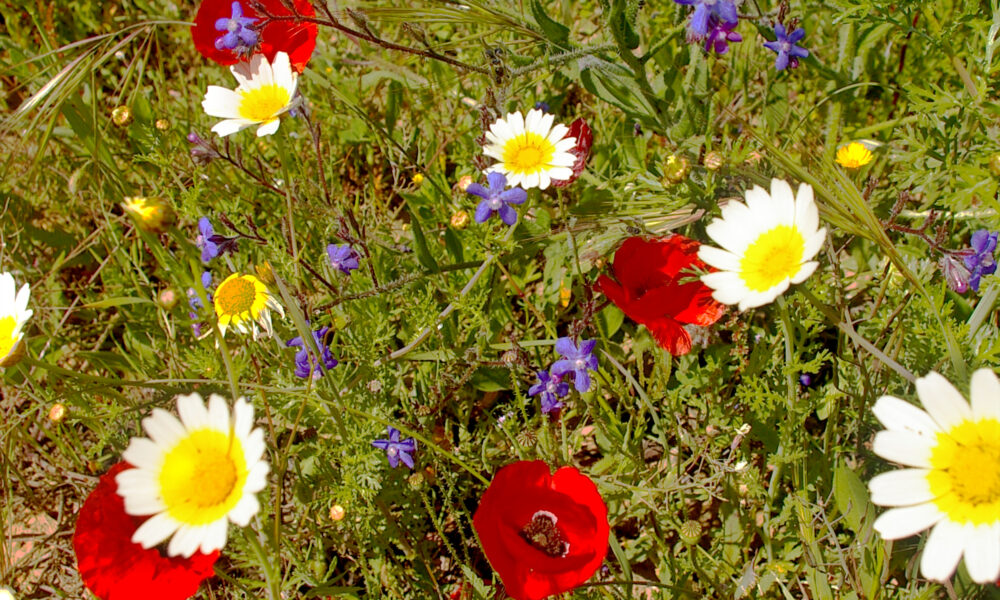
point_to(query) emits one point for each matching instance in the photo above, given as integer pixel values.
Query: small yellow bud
(57, 414)
(676, 168)
(265, 273)
(464, 182)
(162, 124)
(565, 294)
(995, 165)
(714, 161)
(418, 179)
(337, 512)
(460, 220)
(415, 480)
(121, 116)
(150, 214)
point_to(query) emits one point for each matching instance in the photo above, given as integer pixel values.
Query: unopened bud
(265, 273)
(337, 512)
(167, 298)
(418, 179)
(690, 532)
(955, 273)
(57, 414)
(121, 116)
(995, 165)
(714, 161)
(416, 481)
(464, 182)
(162, 124)
(460, 220)
(151, 214)
(676, 168)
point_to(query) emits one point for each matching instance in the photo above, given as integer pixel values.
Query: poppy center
(772, 258)
(542, 534)
(264, 103)
(528, 153)
(201, 477)
(235, 296)
(7, 326)
(965, 472)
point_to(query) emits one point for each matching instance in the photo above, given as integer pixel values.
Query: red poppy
(649, 289)
(296, 38)
(544, 533)
(114, 568)
(584, 140)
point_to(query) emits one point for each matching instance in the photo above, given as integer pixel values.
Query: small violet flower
(724, 11)
(980, 260)
(577, 360)
(211, 243)
(496, 200)
(194, 301)
(719, 35)
(306, 362)
(551, 389)
(955, 272)
(343, 258)
(785, 45)
(238, 36)
(396, 450)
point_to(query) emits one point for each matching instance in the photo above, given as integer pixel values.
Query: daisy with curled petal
(529, 150)
(265, 92)
(767, 245)
(953, 483)
(194, 475)
(14, 314)
(243, 299)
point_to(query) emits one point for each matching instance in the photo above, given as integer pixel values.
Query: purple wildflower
(785, 45)
(723, 10)
(719, 35)
(194, 301)
(306, 362)
(543, 106)
(955, 272)
(211, 243)
(551, 389)
(496, 200)
(577, 360)
(343, 258)
(238, 36)
(396, 449)
(980, 260)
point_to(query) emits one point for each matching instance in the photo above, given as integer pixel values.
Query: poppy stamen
(542, 534)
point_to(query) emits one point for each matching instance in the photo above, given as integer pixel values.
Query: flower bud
(162, 124)
(675, 169)
(714, 160)
(121, 116)
(464, 182)
(995, 165)
(460, 220)
(416, 480)
(57, 414)
(151, 214)
(955, 273)
(264, 272)
(167, 298)
(690, 532)
(418, 179)
(337, 512)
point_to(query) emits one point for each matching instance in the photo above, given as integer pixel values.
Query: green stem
(266, 564)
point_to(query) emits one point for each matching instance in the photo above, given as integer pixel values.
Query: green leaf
(556, 32)
(851, 497)
(420, 248)
(120, 301)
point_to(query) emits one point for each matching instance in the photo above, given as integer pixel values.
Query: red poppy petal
(614, 292)
(296, 38)
(701, 309)
(114, 568)
(584, 140)
(670, 335)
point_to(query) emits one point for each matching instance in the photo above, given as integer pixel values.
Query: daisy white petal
(265, 92)
(154, 530)
(527, 147)
(899, 523)
(942, 401)
(903, 487)
(900, 415)
(985, 391)
(942, 551)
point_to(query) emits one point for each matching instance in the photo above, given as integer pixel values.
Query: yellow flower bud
(676, 168)
(337, 512)
(162, 124)
(460, 220)
(57, 414)
(121, 116)
(150, 214)
(265, 273)
(464, 182)
(418, 179)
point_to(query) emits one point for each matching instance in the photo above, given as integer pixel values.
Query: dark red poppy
(650, 291)
(114, 568)
(584, 140)
(294, 37)
(544, 533)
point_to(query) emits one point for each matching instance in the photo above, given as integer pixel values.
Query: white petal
(244, 510)
(942, 401)
(560, 173)
(256, 478)
(268, 128)
(283, 74)
(544, 180)
(493, 152)
(904, 448)
(805, 271)
(982, 552)
(220, 102)
(718, 258)
(562, 159)
(899, 523)
(218, 413)
(729, 288)
(558, 137)
(904, 487)
(758, 200)
(544, 126)
(783, 202)
(516, 123)
(806, 211)
(229, 127)
(139, 505)
(756, 299)
(253, 446)
(186, 541)
(531, 180)
(215, 536)
(942, 551)
(242, 418)
(21, 302)
(163, 428)
(532, 119)
(142, 453)
(899, 415)
(7, 290)
(813, 243)
(156, 529)
(192, 411)
(985, 391)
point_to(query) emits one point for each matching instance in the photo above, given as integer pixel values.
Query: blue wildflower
(542, 106)
(211, 243)
(723, 10)
(785, 45)
(980, 260)
(577, 360)
(719, 35)
(304, 360)
(194, 301)
(397, 450)
(343, 258)
(496, 200)
(551, 389)
(238, 36)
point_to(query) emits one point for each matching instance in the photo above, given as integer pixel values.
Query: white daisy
(953, 484)
(265, 91)
(14, 314)
(767, 244)
(531, 152)
(194, 475)
(243, 299)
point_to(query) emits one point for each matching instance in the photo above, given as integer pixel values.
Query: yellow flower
(243, 299)
(14, 314)
(854, 155)
(150, 214)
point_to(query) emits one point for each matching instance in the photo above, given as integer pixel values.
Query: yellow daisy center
(965, 472)
(7, 326)
(263, 103)
(235, 296)
(772, 258)
(202, 477)
(528, 153)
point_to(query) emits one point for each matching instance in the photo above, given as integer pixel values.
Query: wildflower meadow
(486, 299)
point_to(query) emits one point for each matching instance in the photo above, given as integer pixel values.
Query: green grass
(724, 477)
